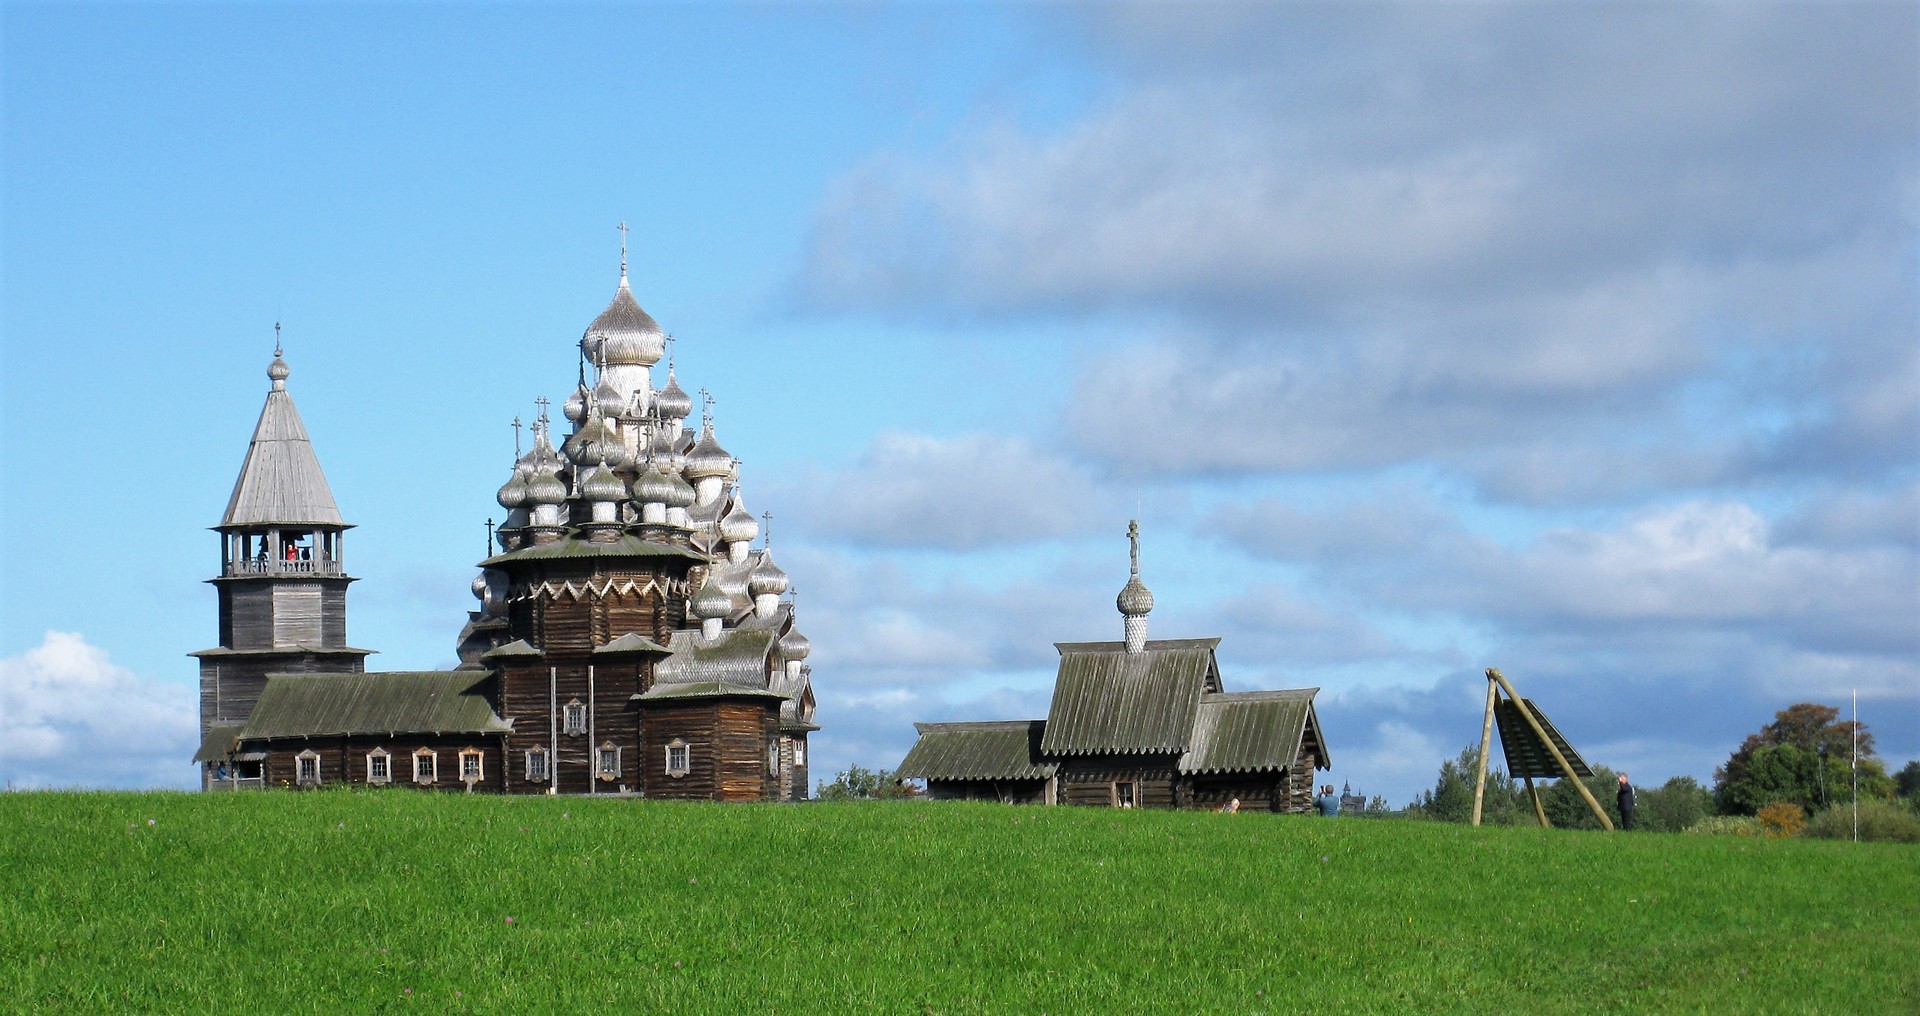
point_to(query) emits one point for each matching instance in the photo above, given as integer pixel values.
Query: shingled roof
(997, 750)
(737, 657)
(412, 702)
(280, 481)
(1253, 730)
(1107, 701)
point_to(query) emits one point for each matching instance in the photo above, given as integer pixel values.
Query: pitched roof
(1108, 701)
(628, 545)
(1252, 730)
(737, 657)
(1003, 750)
(1526, 754)
(413, 702)
(705, 689)
(218, 743)
(631, 642)
(280, 481)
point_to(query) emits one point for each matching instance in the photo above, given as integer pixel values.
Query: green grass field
(355, 902)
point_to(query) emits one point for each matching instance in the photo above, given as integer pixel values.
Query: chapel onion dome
(653, 487)
(602, 485)
(608, 399)
(794, 646)
(1134, 600)
(708, 459)
(711, 601)
(673, 400)
(739, 525)
(683, 495)
(576, 406)
(514, 494)
(479, 586)
(623, 333)
(595, 442)
(277, 371)
(545, 486)
(767, 578)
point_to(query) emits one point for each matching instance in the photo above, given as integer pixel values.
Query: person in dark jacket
(1625, 797)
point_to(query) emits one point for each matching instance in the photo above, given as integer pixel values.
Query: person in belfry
(1625, 797)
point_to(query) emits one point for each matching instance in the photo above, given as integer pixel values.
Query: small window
(799, 753)
(679, 758)
(379, 766)
(426, 766)
(306, 768)
(576, 717)
(773, 757)
(606, 761)
(472, 766)
(537, 765)
(1124, 794)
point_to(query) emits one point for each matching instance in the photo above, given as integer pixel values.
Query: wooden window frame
(686, 758)
(799, 752)
(773, 756)
(479, 759)
(432, 759)
(602, 771)
(385, 775)
(546, 764)
(573, 718)
(300, 763)
(1133, 793)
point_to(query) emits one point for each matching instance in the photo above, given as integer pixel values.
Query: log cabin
(629, 638)
(1134, 723)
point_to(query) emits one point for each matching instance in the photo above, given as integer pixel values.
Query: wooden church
(1135, 723)
(630, 637)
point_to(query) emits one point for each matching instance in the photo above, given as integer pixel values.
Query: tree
(1805, 756)
(1566, 809)
(1675, 806)
(1906, 782)
(858, 784)
(1451, 799)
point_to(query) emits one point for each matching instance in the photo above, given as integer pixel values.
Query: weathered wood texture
(231, 685)
(343, 760)
(727, 749)
(279, 613)
(1004, 791)
(1093, 780)
(526, 691)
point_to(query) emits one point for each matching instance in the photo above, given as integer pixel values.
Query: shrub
(1782, 820)
(1888, 821)
(1726, 825)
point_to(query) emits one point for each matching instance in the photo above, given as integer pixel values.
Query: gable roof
(1000, 750)
(1253, 730)
(280, 481)
(1107, 701)
(412, 702)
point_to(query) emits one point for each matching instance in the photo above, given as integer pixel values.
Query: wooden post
(1538, 809)
(1540, 732)
(1486, 742)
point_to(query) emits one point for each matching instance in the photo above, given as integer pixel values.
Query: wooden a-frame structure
(1533, 748)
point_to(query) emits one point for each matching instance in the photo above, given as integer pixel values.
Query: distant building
(630, 637)
(1134, 723)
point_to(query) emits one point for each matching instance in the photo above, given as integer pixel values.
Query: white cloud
(70, 717)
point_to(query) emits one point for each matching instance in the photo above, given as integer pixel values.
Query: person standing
(1329, 804)
(1625, 797)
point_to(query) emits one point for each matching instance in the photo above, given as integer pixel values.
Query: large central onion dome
(623, 333)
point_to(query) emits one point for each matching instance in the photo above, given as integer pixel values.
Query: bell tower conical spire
(283, 583)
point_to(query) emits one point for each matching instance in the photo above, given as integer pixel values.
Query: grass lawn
(338, 902)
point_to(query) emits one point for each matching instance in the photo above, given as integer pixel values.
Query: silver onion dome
(596, 442)
(683, 495)
(607, 398)
(479, 586)
(653, 486)
(277, 371)
(576, 405)
(545, 487)
(767, 578)
(623, 333)
(794, 646)
(1134, 600)
(708, 459)
(602, 485)
(739, 525)
(513, 494)
(673, 400)
(711, 601)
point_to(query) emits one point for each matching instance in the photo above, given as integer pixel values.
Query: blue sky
(1578, 342)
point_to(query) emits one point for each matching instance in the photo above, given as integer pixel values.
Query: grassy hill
(355, 902)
